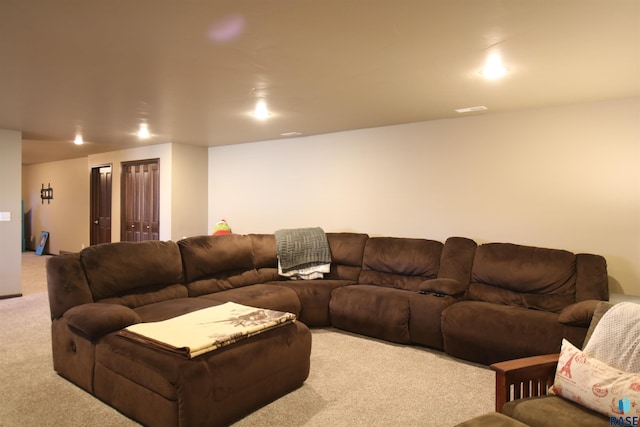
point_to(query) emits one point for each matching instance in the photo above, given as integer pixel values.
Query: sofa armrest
(442, 286)
(529, 376)
(578, 314)
(94, 320)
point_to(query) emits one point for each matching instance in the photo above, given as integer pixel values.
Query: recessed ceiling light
(471, 109)
(261, 112)
(143, 131)
(493, 69)
(78, 140)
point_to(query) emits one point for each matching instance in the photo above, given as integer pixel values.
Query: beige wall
(562, 177)
(66, 217)
(183, 194)
(10, 205)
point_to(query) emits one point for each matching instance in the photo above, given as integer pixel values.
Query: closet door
(140, 201)
(100, 227)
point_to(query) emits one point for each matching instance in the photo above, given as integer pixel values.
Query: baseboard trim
(10, 296)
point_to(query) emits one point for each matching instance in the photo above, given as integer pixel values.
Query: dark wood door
(100, 227)
(140, 201)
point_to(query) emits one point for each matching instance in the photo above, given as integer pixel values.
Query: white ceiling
(193, 70)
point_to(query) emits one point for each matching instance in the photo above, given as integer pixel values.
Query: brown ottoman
(494, 419)
(157, 388)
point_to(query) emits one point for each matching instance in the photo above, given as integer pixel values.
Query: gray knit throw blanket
(302, 248)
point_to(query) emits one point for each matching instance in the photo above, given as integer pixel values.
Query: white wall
(66, 217)
(189, 191)
(10, 230)
(563, 177)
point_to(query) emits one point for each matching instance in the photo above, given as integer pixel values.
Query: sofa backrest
(66, 284)
(134, 274)
(265, 258)
(401, 263)
(347, 250)
(592, 281)
(456, 260)
(531, 277)
(217, 263)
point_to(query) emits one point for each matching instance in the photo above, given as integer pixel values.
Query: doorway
(140, 204)
(100, 227)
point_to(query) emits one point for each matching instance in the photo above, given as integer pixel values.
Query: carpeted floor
(354, 380)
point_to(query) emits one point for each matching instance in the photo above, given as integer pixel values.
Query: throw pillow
(595, 385)
(616, 338)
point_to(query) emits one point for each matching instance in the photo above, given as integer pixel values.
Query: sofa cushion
(347, 250)
(261, 295)
(496, 295)
(553, 411)
(314, 297)
(425, 325)
(515, 332)
(264, 250)
(176, 307)
(205, 256)
(594, 384)
(224, 281)
(374, 311)
(524, 275)
(150, 295)
(400, 262)
(122, 268)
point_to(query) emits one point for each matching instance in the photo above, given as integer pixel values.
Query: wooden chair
(533, 376)
(526, 377)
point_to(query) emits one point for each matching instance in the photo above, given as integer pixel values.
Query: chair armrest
(529, 376)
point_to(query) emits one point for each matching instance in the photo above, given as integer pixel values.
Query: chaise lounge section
(108, 287)
(449, 296)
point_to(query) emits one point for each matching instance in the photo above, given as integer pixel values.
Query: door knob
(148, 227)
(95, 222)
(133, 226)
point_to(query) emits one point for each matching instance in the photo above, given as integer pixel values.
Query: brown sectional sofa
(483, 303)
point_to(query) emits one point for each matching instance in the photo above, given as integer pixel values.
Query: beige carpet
(354, 380)
(34, 277)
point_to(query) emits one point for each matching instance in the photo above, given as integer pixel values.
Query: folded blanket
(616, 338)
(301, 248)
(201, 331)
(308, 273)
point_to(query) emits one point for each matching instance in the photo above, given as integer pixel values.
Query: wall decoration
(46, 194)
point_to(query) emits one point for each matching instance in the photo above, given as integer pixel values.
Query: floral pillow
(595, 385)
